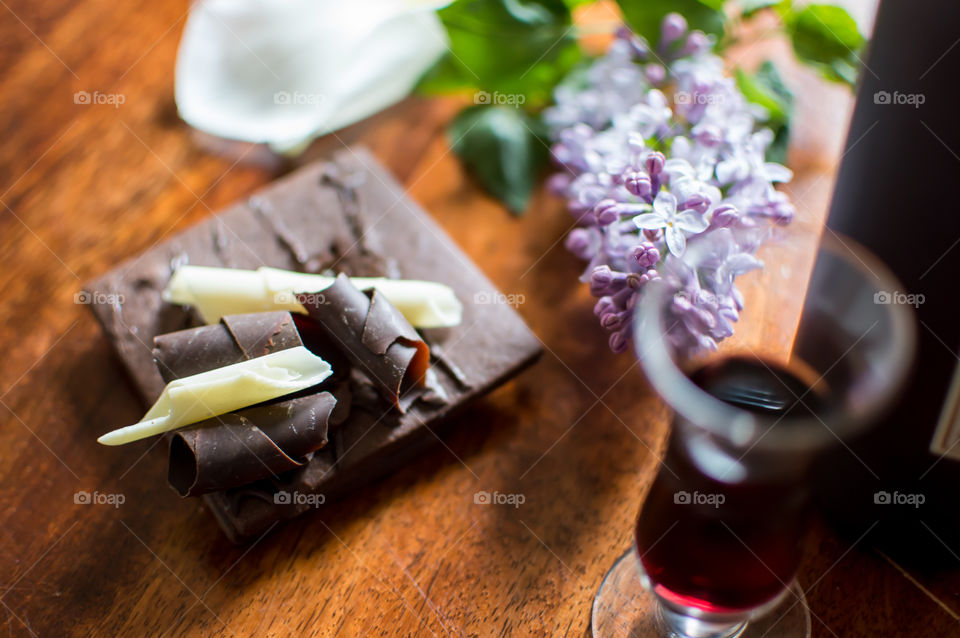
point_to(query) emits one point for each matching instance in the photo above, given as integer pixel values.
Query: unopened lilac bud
(696, 202)
(603, 306)
(672, 28)
(634, 280)
(576, 134)
(783, 214)
(696, 44)
(654, 163)
(680, 304)
(655, 73)
(619, 342)
(638, 47)
(603, 281)
(579, 243)
(651, 235)
(706, 343)
(581, 212)
(601, 276)
(562, 154)
(635, 142)
(708, 135)
(645, 255)
(559, 183)
(612, 321)
(605, 212)
(724, 216)
(637, 183)
(707, 319)
(730, 313)
(606, 282)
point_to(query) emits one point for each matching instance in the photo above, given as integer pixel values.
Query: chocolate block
(346, 215)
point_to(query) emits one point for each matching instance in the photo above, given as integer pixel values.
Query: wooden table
(84, 186)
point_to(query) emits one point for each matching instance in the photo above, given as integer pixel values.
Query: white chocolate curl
(216, 292)
(222, 390)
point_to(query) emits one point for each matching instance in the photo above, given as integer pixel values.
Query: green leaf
(445, 76)
(750, 7)
(769, 77)
(513, 47)
(767, 89)
(502, 147)
(847, 70)
(758, 94)
(716, 5)
(827, 38)
(645, 16)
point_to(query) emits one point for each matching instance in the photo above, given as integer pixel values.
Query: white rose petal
(285, 71)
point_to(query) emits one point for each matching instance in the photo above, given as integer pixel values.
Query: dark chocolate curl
(236, 338)
(373, 334)
(248, 445)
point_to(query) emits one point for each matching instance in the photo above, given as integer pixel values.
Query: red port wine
(714, 533)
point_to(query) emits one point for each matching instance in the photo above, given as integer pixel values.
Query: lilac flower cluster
(664, 172)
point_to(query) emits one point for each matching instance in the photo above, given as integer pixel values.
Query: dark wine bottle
(895, 195)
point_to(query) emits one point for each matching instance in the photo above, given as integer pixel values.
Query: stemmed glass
(719, 537)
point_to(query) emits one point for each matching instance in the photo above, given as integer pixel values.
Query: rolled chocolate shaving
(236, 338)
(245, 446)
(250, 444)
(373, 335)
(344, 396)
(317, 341)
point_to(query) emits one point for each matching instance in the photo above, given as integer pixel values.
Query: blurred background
(125, 123)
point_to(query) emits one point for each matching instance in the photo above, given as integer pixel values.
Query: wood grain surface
(85, 186)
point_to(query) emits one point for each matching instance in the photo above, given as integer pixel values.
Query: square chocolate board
(349, 215)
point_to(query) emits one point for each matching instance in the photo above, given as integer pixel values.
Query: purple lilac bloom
(664, 171)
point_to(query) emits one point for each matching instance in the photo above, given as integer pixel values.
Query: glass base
(624, 607)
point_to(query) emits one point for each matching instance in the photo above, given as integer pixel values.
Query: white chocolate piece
(216, 292)
(222, 390)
